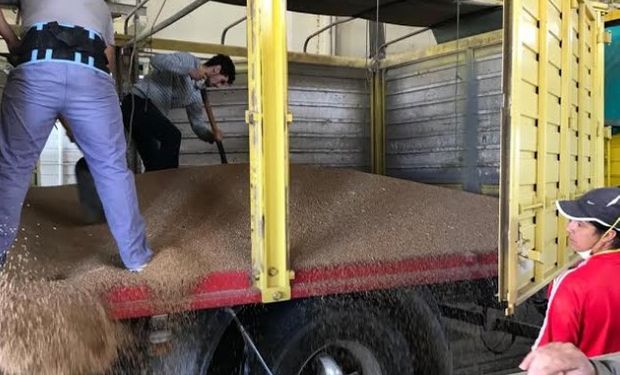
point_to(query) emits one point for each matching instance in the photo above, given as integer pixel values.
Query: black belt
(52, 41)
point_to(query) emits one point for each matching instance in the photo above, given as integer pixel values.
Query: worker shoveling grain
(55, 328)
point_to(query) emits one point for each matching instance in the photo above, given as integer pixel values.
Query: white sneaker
(139, 269)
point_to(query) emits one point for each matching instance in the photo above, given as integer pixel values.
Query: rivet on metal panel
(256, 275)
(248, 117)
(273, 272)
(251, 118)
(277, 296)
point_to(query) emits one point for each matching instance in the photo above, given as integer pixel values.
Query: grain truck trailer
(344, 270)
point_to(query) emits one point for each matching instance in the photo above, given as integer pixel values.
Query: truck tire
(426, 334)
(356, 336)
(360, 335)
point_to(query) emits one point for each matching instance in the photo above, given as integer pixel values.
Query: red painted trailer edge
(233, 288)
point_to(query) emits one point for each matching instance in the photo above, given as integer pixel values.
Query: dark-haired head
(227, 67)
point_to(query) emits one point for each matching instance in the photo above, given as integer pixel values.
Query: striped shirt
(170, 86)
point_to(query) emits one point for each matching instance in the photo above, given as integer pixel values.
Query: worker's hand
(13, 45)
(218, 135)
(14, 51)
(557, 359)
(198, 74)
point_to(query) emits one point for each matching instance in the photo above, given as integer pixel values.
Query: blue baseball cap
(599, 205)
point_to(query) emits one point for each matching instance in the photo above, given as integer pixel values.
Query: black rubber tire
(426, 335)
(292, 334)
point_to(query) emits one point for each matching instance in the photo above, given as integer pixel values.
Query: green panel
(612, 72)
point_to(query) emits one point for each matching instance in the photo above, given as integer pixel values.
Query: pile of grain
(53, 327)
(198, 223)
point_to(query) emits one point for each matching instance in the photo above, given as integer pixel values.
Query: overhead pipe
(356, 15)
(167, 22)
(324, 29)
(384, 45)
(132, 12)
(225, 31)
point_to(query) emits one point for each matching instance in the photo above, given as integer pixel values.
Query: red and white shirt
(584, 307)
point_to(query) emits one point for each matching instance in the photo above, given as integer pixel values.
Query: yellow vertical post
(510, 158)
(608, 170)
(598, 100)
(583, 121)
(543, 134)
(268, 120)
(377, 118)
(566, 122)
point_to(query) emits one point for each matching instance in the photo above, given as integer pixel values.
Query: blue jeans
(34, 96)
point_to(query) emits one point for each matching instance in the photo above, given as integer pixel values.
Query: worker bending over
(63, 71)
(176, 82)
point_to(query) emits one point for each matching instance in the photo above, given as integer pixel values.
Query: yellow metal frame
(599, 133)
(612, 15)
(542, 147)
(612, 159)
(212, 48)
(550, 149)
(449, 48)
(268, 119)
(377, 126)
(566, 117)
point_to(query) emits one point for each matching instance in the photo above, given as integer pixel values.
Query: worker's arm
(197, 120)
(217, 133)
(110, 54)
(564, 358)
(108, 37)
(181, 63)
(606, 367)
(8, 34)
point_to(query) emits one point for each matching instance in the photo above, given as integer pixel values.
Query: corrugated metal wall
(440, 133)
(330, 107)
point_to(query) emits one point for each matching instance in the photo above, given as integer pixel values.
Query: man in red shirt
(584, 302)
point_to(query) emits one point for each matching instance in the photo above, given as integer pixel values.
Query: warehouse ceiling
(474, 16)
(401, 12)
